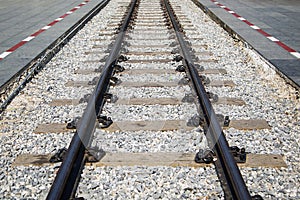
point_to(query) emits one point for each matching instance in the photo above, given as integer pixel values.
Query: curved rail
(66, 180)
(215, 135)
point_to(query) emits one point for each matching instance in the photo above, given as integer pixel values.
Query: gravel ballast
(266, 94)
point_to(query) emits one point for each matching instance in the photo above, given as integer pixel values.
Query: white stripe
(4, 54)
(241, 18)
(46, 27)
(230, 11)
(69, 12)
(83, 3)
(77, 7)
(255, 27)
(273, 39)
(28, 38)
(59, 19)
(216, 2)
(223, 6)
(296, 54)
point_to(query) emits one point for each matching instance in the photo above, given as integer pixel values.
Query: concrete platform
(271, 27)
(45, 20)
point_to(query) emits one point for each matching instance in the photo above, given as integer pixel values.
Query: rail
(67, 178)
(234, 181)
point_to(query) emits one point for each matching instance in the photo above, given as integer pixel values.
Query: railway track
(71, 167)
(143, 77)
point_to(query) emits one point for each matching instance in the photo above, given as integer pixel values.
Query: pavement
(28, 27)
(271, 27)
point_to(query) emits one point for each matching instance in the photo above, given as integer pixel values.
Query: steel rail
(214, 133)
(66, 180)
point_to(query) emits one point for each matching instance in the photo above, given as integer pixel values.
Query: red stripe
(52, 23)
(16, 46)
(285, 47)
(63, 16)
(259, 30)
(38, 32)
(236, 15)
(249, 23)
(42, 30)
(72, 10)
(263, 32)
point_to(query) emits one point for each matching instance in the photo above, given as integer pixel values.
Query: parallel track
(66, 181)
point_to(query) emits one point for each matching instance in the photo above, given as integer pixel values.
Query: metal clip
(180, 68)
(125, 43)
(122, 58)
(199, 68)
(226, 121)
(171, 36)
(118, 68)
(110, 98)
(196, 121)
(108, 50)
(214, 98)
(188, 98)
(85, 98)
(175, 51)
(204, 156)
(114, 81)
(99, 69)
(94, 81)
(72, 124)
(104, 121)
(195, 58)
(205, 80)
(104, 58)
(220, 118)
(94, 154)
(173, 44)
(209, 156)
(188, 43)
(238, 154)
(124, 50)
(177, 58)
(184, 81)
(58, 156)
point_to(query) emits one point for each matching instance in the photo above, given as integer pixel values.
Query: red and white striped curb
(270, 37)
(34, 35)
